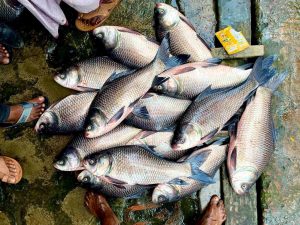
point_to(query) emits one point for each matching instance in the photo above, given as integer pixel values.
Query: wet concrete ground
(47, 196)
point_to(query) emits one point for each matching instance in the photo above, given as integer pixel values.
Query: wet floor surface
(47, 196)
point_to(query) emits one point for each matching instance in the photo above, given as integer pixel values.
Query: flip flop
(27, 108)
(10, 12)
(6, 174)
(94, 19)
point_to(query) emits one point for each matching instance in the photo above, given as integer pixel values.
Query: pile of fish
(150, 116)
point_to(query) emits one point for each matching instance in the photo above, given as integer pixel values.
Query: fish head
(186, 136)
(96, 124)
(69, 78)
(48, 122)
(109, 36)
(165, 16)
(169, 86)
(164, 193)
(243, 179)
(98, 164)
(86, 177)
(68, 160)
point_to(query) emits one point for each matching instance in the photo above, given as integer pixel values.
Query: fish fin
(115, 181)
(119, 186)
(126, 30)
(231, 157)
(117, 116)
(143, 134)
(132, 104)
(149, 95)
(207, 65)
(208, 44)
(151, 148)
(187, 69)
(135, 196)
(178, 181)
(213, 60)
(275, 81)
(163, 55)
(262, 71)
(208, 91)
(159, 80)
(170, 128)
(221, 141)
(210, 135)
(116, 75)
(246, 66)
(197, 160)
(141, 111)
(203, 178)
(184, 19)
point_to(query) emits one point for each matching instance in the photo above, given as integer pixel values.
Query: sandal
(6, 53)
(27, 108)
(10, 170)
(9, 11)
(92, 20)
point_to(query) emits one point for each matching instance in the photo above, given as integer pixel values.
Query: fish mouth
(175, 147)
(70, 169)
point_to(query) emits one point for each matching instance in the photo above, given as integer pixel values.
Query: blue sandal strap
(27, 108)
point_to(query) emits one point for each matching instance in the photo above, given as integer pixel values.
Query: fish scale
(189, 80)
(110, 190)
(159, 142)
(9, 12)
(117, 137)
(134, 50)
(70, 111)
(96, 71)
(209, 166)
(163, 112)
(255, 141)
(135, 165)
(226, 104)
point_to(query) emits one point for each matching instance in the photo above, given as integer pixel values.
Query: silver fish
(116, 100)
(108, 189)
(251, 147)
(174, 191)
(134, 165)
(67, 115)
(159, 143)
(183, 37)
(127, 46)
(157, 112)
(90, 74)
(10, 10)
(71, 157)
(212, 109)
(189, 80)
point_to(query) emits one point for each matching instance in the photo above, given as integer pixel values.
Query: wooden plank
(241, 210)
(202, 15)
(237, 14)
(252, 51)
(207, 192)
(281, 181)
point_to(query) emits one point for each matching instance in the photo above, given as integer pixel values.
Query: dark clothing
(4, 113)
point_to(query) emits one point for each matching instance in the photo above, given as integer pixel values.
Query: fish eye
(62, 76)
(42, 126)
(160, 11)
(159, 87)
(100, 35)
(92, 162)
(61, 162)
(162, 198)
(244, 187)
(85, 179)
(181, 140)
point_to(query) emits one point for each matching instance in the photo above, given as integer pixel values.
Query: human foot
(10, 170)
(99, 207)
(4, 55)
(36, 105)
(214, 214)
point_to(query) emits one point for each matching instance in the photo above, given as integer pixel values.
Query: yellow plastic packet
(232, 40)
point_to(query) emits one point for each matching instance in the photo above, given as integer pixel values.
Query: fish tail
(163, 55)
(197, 174)
(275, 81)
(262, 71)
